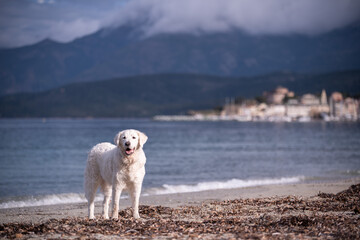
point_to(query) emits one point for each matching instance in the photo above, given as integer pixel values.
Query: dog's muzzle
(129, 151)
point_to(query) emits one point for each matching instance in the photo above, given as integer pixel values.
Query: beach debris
(325, 216)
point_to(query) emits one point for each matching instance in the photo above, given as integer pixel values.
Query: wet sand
(308, 210)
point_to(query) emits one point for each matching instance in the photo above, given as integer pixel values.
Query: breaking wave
(33, 201)
(68, 198)
(233, 183)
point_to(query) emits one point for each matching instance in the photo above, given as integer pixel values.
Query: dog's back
(100, 153)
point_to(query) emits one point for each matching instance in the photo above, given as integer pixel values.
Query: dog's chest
(131, 173)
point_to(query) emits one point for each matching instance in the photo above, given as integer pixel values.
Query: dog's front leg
(135, 196)
(116, 192)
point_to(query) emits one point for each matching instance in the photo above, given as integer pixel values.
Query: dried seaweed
(326, 216)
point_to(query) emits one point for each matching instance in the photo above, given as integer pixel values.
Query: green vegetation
(148, 95)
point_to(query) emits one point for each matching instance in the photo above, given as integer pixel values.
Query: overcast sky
(24, 22)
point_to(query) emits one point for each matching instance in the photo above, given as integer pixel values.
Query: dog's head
(130, 140)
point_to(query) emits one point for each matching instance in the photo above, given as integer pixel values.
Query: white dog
(115, 168)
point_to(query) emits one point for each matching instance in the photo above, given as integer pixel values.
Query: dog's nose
(127, 144)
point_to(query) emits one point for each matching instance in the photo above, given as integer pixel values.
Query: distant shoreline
(218, 118)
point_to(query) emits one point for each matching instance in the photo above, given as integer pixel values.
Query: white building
(310, 99)
(340, 109)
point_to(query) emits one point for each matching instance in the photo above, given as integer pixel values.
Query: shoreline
(40, 214)
(239, 118)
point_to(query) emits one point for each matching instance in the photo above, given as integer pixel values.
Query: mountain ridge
(123, 52)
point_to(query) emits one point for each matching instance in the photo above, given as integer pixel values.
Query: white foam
(68, 198)
(33, 201)
(46, 200)
(352, 172)
(233, 183)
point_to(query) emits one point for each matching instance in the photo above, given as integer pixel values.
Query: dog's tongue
(129, 151)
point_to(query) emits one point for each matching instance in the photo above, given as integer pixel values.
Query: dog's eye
(134, 137)
(124, 137)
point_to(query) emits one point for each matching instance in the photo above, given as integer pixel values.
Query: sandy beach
(307, 210)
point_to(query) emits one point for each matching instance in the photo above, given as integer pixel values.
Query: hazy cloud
(25, 22)
(257, 17)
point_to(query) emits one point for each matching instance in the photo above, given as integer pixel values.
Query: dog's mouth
(129, 151)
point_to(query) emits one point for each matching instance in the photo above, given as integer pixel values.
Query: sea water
(43, 160)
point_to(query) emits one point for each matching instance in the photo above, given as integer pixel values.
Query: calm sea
(42, 161)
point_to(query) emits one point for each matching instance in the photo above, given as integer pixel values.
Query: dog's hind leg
(90, 193)
(91, 184)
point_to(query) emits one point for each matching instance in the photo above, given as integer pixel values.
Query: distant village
(280, 105)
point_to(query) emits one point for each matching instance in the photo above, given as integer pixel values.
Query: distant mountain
(125, 52)
(148, 95)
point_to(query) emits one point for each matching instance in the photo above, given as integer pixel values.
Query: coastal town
(279, 105)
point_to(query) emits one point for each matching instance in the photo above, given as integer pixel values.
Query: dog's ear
(117, 138)
(142, 138)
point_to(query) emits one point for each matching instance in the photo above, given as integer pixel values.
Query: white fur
(116, 168)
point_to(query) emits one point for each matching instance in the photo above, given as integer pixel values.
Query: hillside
(148, 95)
(124, 52)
